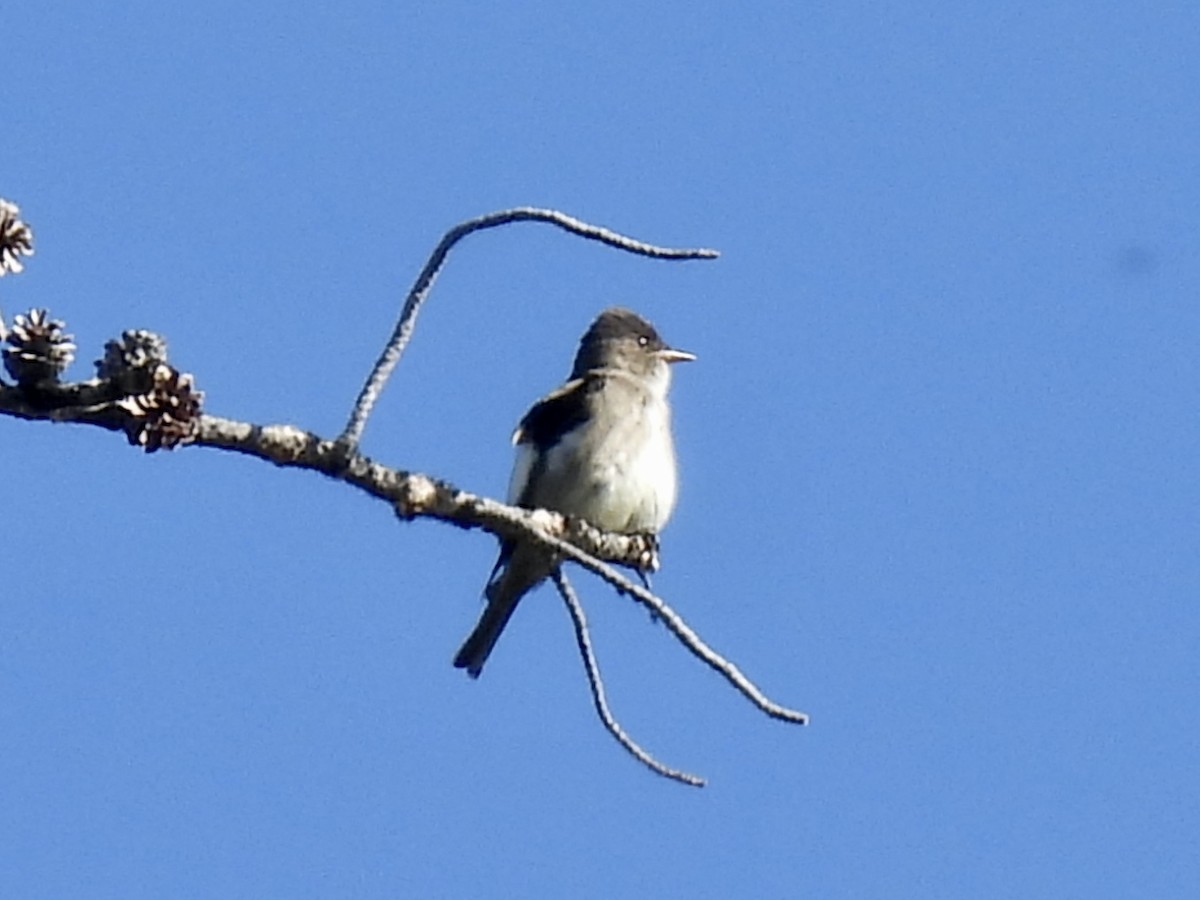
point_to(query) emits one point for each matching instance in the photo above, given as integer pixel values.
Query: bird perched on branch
(599, 448)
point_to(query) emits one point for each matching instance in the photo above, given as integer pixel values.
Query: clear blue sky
(940, 470)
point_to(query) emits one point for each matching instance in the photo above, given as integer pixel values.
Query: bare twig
(692, 641)
(420, 290)
(584, 642)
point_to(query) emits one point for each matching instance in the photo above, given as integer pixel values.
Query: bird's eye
(643, 341)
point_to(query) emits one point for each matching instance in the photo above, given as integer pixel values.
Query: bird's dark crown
(617, 323)
(618, 337)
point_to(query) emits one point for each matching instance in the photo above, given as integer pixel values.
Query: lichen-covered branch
(411, 494)
(415, 495)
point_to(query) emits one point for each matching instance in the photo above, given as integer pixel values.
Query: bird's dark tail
(514, 578)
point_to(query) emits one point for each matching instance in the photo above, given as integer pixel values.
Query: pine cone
(16, 239)
(130, 362)
(167, 415)
(38, 350)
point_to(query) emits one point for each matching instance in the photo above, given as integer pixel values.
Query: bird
(599, 448)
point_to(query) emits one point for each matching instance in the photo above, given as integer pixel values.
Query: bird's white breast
(621, 480)
(621, 477)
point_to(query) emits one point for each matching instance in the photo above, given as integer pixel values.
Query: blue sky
(939, 450)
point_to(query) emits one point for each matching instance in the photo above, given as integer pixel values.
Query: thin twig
(584, 642)
(420, 290)
(680, 629)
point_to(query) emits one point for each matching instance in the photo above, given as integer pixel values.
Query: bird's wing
(555, 415)
(541, 428)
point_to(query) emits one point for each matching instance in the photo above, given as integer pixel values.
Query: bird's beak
(671, 355)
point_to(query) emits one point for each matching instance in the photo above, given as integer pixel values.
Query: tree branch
(403, 332)
(411, 494)
(596, 684)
